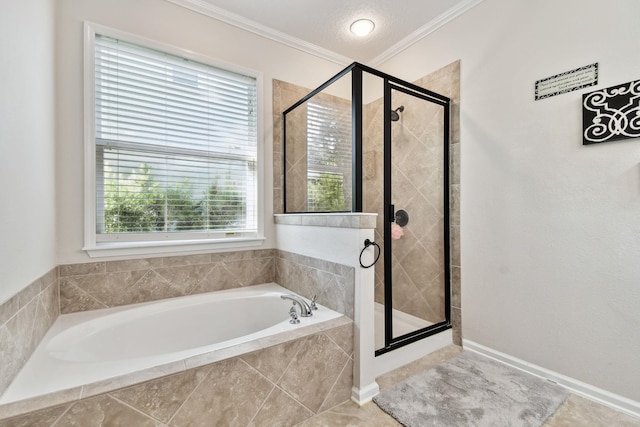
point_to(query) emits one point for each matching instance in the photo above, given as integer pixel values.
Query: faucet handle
(294, 316)
(313, 302)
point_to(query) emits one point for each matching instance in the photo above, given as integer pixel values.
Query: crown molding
(424, 31)
(220, 14)
(208, 9)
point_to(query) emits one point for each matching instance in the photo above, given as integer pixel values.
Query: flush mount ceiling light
(362, 27)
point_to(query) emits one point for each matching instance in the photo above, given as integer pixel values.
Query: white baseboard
(599, 395)
(364, 395)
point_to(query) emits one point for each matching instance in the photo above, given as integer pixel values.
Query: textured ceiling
(323, 25)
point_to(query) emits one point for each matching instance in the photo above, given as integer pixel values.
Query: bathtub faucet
(305, 309)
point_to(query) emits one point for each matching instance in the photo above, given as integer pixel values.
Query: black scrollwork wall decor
(611, 114)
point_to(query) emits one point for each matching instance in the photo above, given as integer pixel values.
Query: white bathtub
(87, 347)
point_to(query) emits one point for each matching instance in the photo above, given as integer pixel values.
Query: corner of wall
(24, 320)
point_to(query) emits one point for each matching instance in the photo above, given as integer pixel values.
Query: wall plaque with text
(567, 82)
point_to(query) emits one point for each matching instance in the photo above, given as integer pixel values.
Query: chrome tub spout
(305, 308)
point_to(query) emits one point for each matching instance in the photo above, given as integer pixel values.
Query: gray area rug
(472, 390)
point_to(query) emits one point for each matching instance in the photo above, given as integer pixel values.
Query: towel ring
(368, 243)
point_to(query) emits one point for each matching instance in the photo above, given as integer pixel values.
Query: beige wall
(550, 235)
(27, 126)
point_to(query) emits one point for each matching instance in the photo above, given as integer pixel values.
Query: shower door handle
(401, 217)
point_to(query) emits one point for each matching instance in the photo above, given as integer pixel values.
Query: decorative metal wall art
(611, 114)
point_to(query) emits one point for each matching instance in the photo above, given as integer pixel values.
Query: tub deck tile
(222, 354)
(99, 387)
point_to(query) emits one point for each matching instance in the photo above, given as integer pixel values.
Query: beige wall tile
(178, 261)
(73, 298)
(343, 337)
(103, 411)
(272, 362)
(9, 309)
(133, 264)
(231, 394)
(280, 410)
(80, 269)
(44, 418)
(162, 398)
(182, 280)
(320, 364)
(341, 390)
(87, 286)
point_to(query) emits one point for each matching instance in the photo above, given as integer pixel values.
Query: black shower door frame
(391, 342)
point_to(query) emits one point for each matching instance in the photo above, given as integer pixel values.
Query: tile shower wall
(415, 299)
(417, 291)
(24, 320)
(417, 175)
(284, 96)
(279, 385)
(446, 81)
(297, 160)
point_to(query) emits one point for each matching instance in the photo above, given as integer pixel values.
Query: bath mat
(472, 390)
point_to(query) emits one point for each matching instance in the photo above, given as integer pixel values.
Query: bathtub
(89, 347)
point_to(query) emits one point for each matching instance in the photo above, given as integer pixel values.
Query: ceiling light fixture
(362, 27)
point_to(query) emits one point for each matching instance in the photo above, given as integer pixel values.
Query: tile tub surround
(28, 315)
(285, 382)
(113, 283)
(24, 320)
(105, 284)
(332, 283)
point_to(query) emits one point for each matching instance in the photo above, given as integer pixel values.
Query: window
(173, 146)
(329, 156)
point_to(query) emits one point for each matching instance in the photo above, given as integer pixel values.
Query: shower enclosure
(366, 141)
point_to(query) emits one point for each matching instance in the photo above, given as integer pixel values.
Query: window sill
(118, 249)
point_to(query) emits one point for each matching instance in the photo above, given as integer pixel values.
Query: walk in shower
(366, 141)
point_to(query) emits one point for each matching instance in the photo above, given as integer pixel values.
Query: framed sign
(567, 81)
(611, 114)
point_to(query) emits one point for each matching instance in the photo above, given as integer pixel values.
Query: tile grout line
(333, 386)
(204, 377)
(283, 372)
(122, 402)
(67, 409)
(263, 403)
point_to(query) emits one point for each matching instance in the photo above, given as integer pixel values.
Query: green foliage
(223, 207)
(135, 203)
(326, 193)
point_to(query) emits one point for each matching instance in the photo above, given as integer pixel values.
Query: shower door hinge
(392, 213)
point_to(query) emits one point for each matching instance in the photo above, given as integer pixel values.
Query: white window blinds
(176, 145)
(329, 150)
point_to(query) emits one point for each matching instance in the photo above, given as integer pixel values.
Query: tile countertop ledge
(339, 220)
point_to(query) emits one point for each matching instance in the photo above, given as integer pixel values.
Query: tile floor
(576, 411)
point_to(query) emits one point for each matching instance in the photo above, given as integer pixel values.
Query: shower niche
(366, 141)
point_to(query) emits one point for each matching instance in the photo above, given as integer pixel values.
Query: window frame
(157, 243)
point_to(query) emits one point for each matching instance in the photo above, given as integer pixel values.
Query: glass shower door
(416, 243)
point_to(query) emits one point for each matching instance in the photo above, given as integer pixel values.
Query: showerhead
(394, 114)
